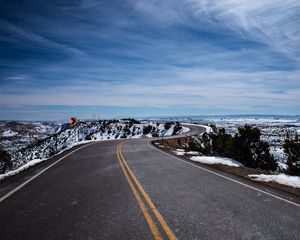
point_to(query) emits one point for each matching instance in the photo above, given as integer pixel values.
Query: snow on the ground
(34, 162)
(282, 166)
(46, 147)
(292, 181)
(192, 153)
(278, 152)
(274, 129)
(169, 131)
(184, 130)
(258, 120)
(182, 152)
(216, 160)
(179, 152)
(9, 133)
(20, 169)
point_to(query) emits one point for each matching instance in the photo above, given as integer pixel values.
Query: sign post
(73, 122)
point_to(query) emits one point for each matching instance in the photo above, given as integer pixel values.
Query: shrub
(264, 159)
(147, 129)
(5, 161)
(167, 125)
(88, 137)
(251, 151)
(131, 121)
(292, 149)
(246, 147)
(126, 130)
(222, 143)
(123, 135)
(192, 146)
(155, 134)
(177, 128)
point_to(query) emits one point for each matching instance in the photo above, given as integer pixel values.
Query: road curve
(129, 190)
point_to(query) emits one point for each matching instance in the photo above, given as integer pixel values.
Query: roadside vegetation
(245, 147)
(292, 149)
(5, 161)
(244, 154)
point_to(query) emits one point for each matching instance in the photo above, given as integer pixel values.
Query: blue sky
(143, 58)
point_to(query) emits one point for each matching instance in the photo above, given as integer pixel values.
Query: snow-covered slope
(17, 135)
(273, 130)
(67, 137)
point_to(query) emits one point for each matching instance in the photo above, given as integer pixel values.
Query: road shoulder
(285, 192)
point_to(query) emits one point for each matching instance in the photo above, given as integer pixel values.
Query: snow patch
(182, 152)
(179, 152)
(292, 181)
(193, 153)
(20, 169)
(216, 160)
(9, 133)
(278, 152)
(184, 130)
(282, 166)
(169, 132)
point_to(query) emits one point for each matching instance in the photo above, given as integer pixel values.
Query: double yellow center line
(136, 188)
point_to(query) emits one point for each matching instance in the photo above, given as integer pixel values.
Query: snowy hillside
(273, 130)
(68, 136)
(17, 135)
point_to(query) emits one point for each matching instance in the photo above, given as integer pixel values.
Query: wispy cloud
(273, 22)
(190, 88)
(22, 36)
(217, 56)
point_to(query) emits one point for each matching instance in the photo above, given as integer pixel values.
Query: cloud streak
(220, 56)
(272, 22)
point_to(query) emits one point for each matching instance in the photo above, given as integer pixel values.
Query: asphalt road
(129, 190)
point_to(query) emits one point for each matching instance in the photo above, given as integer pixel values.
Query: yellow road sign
(73, 121)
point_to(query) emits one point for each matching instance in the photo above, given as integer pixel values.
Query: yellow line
(148, 218)
(159, 217)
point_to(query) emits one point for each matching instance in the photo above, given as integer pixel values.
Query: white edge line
(228, 178)
(39, 173)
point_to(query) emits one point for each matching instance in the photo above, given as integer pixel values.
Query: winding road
(128, 189)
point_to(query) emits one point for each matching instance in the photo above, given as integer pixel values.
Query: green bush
(147, 129)
(177, 128)
(192, 146)
(155, 134)
(292, 149)
(167, 125)
(88, 137)
(5, 161)
(222, 143)
(246, 147)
